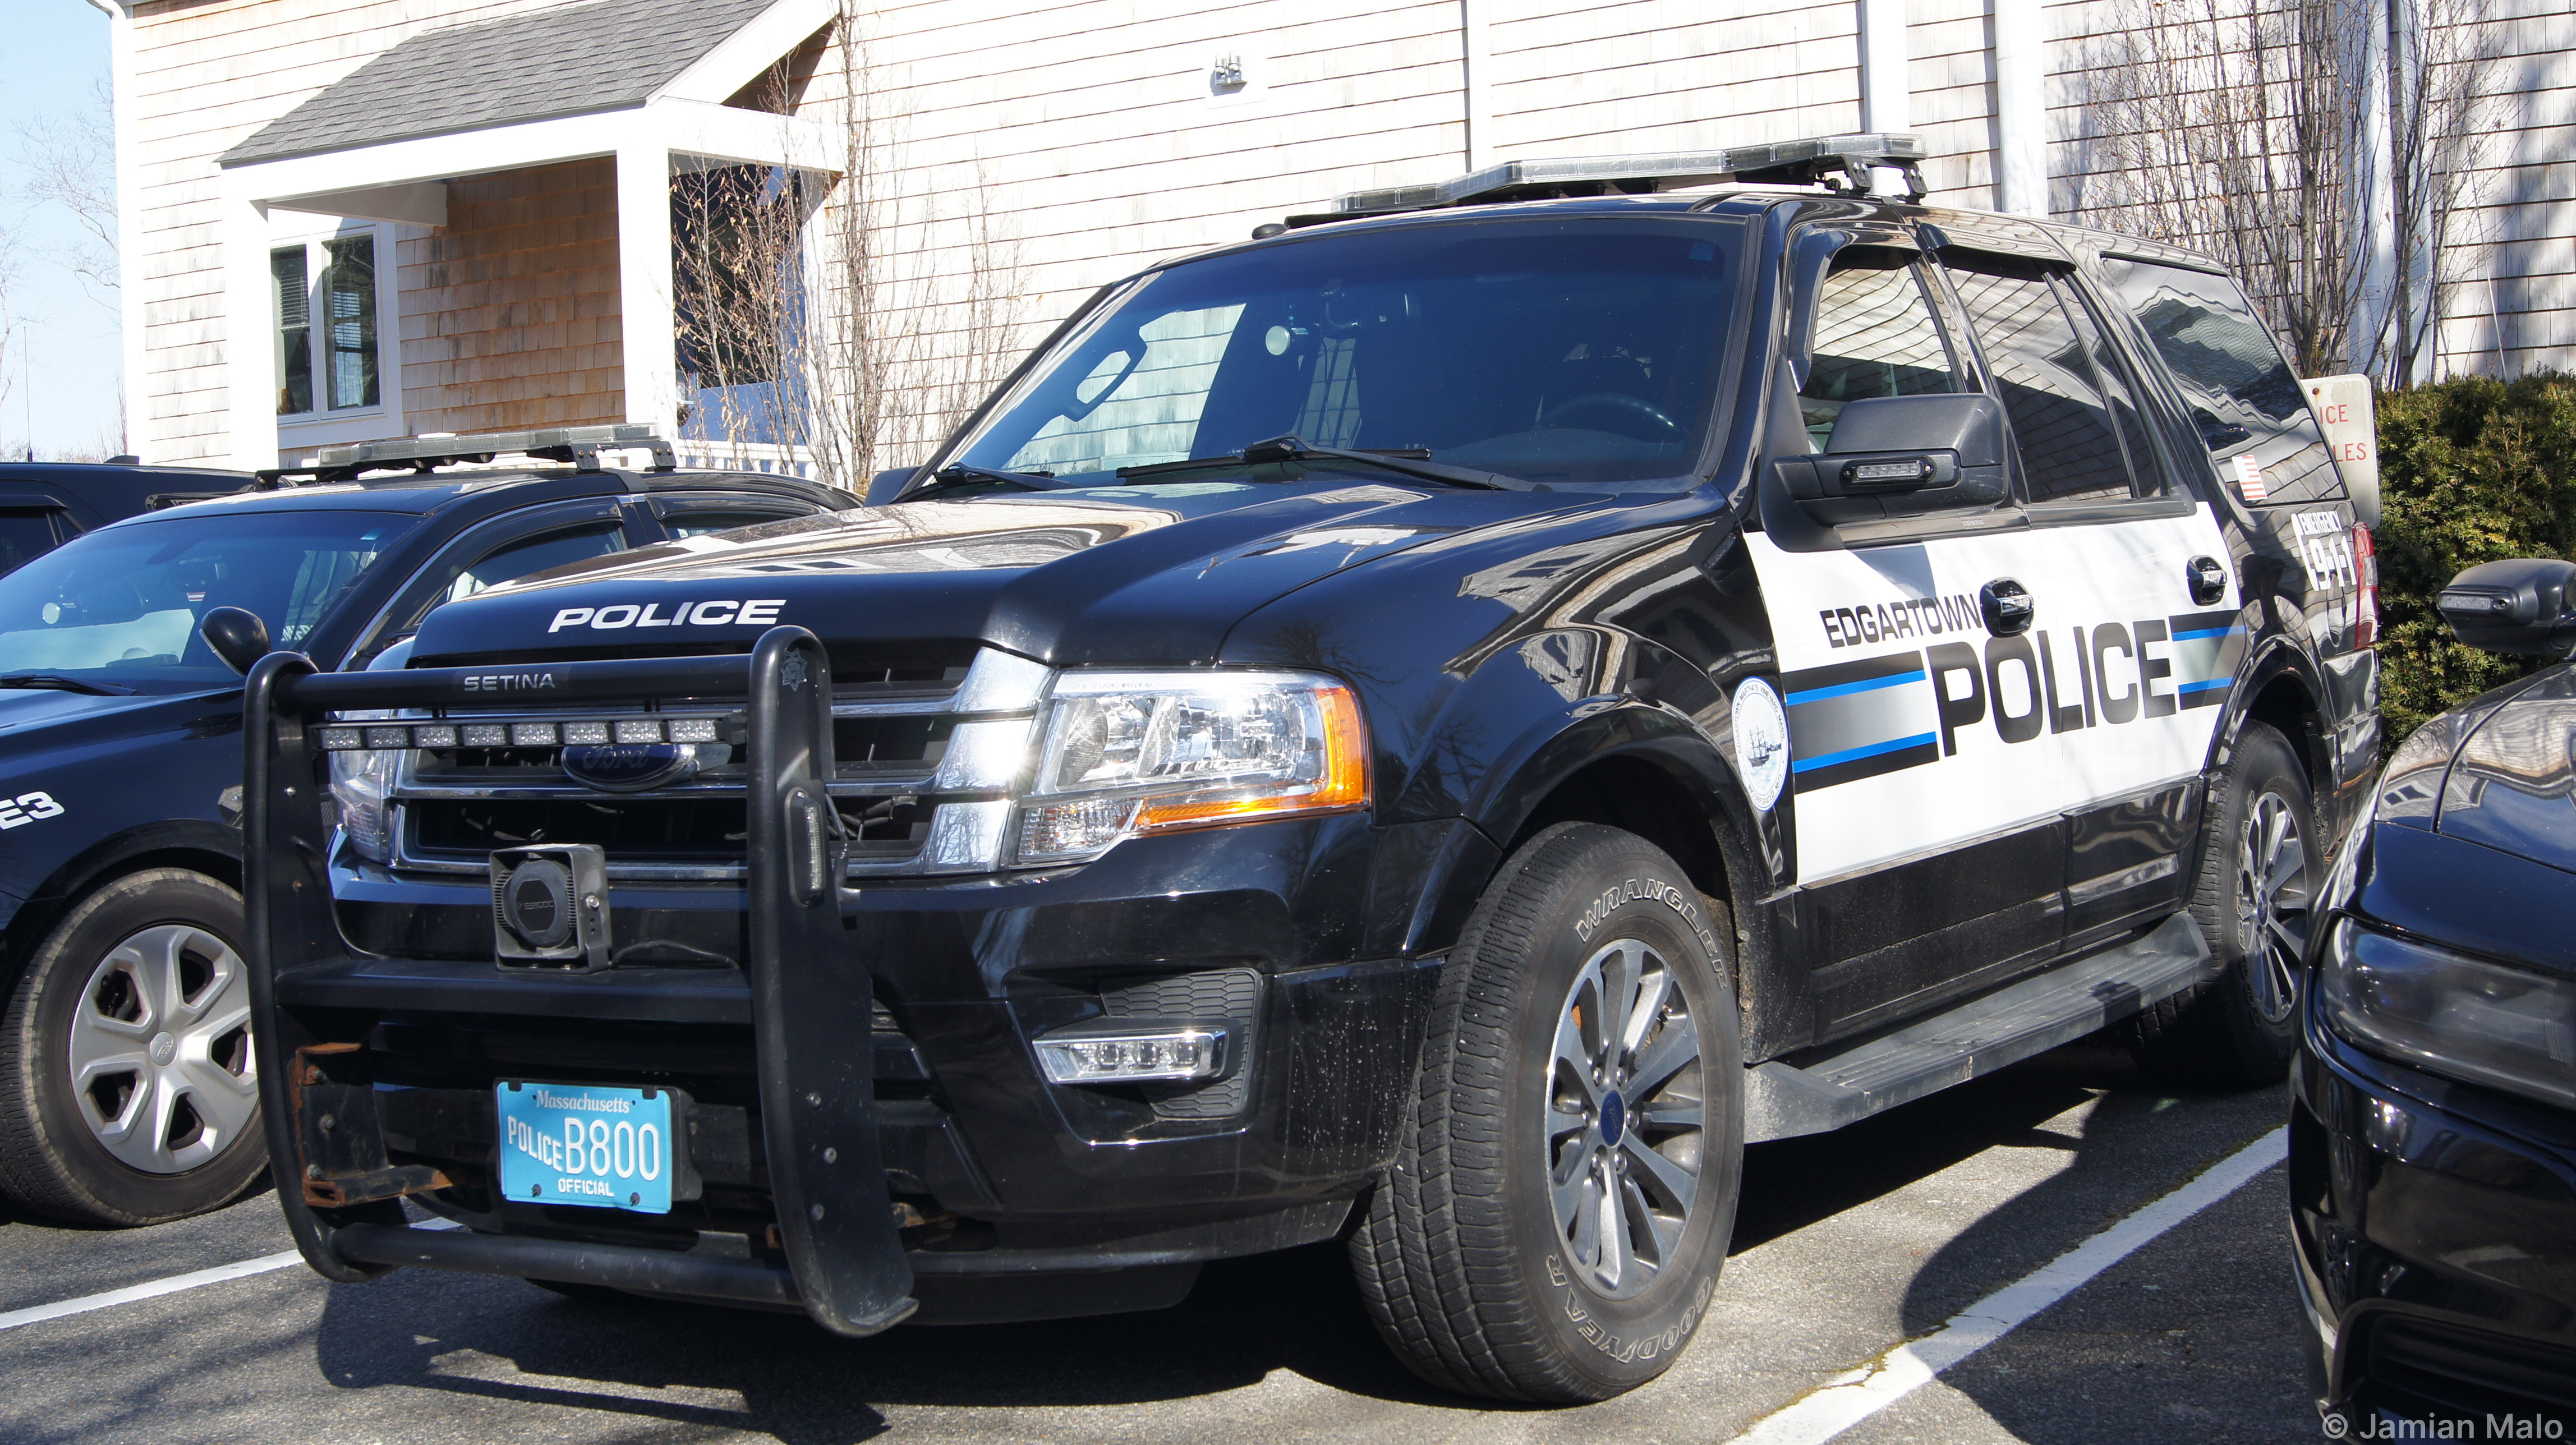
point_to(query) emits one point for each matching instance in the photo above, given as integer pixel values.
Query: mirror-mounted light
(2527, 605)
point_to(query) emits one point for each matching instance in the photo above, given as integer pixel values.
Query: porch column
(644, 285)
(2021, 107)
(250, 335)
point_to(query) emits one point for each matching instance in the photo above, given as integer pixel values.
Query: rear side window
(2061, 417)
(24, 535)
(2244, 400)
(1875, 336)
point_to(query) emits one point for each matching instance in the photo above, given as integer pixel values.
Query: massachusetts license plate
(585, 1144)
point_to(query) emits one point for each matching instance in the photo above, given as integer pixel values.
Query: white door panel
(1910, 728)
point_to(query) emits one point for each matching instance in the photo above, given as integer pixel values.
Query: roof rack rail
(579, 445)
(1797, 162)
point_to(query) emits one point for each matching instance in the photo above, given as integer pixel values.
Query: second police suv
(1432, 728)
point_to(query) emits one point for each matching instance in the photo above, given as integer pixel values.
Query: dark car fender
(2283, 685)
(214, 849)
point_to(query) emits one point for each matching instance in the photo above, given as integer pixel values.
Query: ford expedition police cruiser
(1433, 728)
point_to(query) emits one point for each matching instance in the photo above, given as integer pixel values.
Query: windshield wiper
(961, 474)
(60, 683)
(1404, 462)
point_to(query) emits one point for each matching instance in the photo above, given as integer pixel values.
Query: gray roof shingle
(579, 59)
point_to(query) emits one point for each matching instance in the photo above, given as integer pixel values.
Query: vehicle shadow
(1294, 1311)
(2195, 1335)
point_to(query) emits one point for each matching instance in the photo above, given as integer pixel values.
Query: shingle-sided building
(345, 221)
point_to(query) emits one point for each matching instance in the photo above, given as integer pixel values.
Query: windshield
(1583, 349)
(121, 605)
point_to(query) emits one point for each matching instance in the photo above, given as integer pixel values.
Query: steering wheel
(1618, 406)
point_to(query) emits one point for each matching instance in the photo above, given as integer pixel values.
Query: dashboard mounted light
(1128, 753)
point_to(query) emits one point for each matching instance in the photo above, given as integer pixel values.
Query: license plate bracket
(594, 1146)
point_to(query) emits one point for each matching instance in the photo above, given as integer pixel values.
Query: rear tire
(127, 1093)
(2258, 871)
(1540, 1236)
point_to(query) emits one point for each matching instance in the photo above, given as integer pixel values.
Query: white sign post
(2343, 408)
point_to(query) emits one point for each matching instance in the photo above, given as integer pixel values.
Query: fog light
(1133, 1051)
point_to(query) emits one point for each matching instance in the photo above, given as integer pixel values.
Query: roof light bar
(579, 445)
(1798, 162)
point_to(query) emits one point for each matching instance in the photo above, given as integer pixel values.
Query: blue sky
(53, 53)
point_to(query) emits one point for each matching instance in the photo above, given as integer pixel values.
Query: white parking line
(1846, 1402)
(38, 1314)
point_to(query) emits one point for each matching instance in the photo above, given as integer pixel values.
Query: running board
(1978, 1037)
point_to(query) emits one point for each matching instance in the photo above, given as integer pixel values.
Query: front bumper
(919, 999)
(2435, 1225)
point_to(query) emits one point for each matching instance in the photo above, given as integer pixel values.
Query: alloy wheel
(2272, 904)
(1627, 1119)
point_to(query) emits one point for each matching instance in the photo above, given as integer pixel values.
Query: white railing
(775, 457)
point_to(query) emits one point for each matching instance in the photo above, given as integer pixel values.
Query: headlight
(359, 782)
(362, 776)
(2462, 1017)
(1143, 752)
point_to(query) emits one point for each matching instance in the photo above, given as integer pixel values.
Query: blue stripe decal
(1867, 684)
(1853, 755)
(2212, 632)
(2202, 686)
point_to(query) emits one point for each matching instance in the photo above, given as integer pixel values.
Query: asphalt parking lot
(1847, 1247)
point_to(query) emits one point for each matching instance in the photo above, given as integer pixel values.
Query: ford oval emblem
(630, 767)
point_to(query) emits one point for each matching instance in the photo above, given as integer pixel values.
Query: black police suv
(45, 504)
(127, 1088)
(1431, 728)
(2433, 1137)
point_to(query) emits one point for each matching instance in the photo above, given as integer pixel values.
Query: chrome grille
(919, 779)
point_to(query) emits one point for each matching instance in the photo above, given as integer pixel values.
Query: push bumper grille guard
(810, 994)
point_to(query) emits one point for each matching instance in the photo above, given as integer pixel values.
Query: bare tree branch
(855, 317)
(70, 159)
(2247, 129)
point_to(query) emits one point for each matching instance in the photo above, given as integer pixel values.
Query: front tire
(1566, 1182)
(2258, 873)
(127, 1092)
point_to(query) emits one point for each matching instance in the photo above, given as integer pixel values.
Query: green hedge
(2473, 470)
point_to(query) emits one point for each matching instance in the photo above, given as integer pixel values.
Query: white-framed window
(332, 333)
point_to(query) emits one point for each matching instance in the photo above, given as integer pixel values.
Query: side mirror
(882, 487)
(1900, 456)
(238, 637)
(2526, 606)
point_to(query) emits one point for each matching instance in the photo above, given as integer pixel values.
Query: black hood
(2511, 784)
(2473, 836)
(1110, 574)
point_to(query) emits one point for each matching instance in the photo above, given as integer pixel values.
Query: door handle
(2207, 579)
(2008, 607)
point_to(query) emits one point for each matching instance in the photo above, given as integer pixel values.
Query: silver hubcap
(2272, 904)
(1627, 1119)
(160, 1049)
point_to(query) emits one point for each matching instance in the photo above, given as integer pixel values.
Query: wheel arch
(2281, 690)
(191, 843)
(1649, 771)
